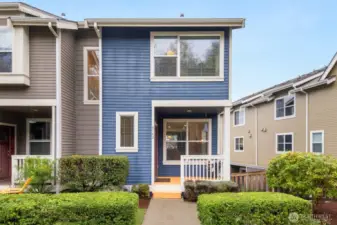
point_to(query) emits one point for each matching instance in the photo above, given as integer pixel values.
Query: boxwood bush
(92, 173)
(195, 188)
(253, 208)
(117, 208)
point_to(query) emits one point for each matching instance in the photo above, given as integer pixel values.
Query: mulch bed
(327, 210)
(144, 203)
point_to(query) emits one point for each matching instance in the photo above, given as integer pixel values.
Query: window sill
(126, 149)
(239, 125)
(91, 102)
(284, 152)
(171, 163)
(14, 79)
(186, 79)
(238, 151)
(285, 117)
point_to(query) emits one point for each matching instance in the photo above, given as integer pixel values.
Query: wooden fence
(251, 181)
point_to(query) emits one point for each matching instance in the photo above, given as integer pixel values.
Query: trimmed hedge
(253, 208)
(92, 173)
(116, 208)
(195, 188)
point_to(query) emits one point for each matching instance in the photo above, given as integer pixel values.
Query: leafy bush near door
(41, 171)
(195, 188)
(304, 174)
(142, 190)
(116, 208)
(92, 173)
(263, 208)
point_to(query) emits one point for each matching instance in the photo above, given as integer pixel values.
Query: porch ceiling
(188, 110)
(33, 111)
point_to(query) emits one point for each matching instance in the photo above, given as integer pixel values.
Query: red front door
(6, 150)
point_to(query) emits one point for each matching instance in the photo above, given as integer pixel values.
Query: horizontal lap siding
(87, 124)
(127, 87)
(42, 66)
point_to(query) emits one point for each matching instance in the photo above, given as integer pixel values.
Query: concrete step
(175, 188)
(166, 195)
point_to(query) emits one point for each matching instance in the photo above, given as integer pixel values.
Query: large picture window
(91, 75)
(185, 137)
(5, 49)
(126, 131)
(38, 136)
(187, 56)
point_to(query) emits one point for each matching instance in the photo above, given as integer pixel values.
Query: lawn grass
(140, 216)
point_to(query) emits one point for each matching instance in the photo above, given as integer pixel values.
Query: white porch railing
(18, 163)
(202, 167)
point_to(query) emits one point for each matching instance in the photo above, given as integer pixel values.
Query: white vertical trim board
(311, 140)
(152, 144)
(187, 141)
(220, 133)
(58, 97)
(230, 66)
(276, 142)
(227, 144)
(100, 130)
(15, 133)
(86, 75)
(119, 148)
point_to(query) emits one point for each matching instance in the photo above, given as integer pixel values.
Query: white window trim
(86, 101)
(178, 78)
(243, 144)
(177, 162)
(135, 130)
(28, 141)
(292, 142)
(311, 141)
(285, 117)
(244, 117)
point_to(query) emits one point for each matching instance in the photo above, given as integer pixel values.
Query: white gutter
(50, 26)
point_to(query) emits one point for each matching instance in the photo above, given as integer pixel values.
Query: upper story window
(5, 49)
(239, 117)
(284, 142)
(91, 75)
(187, 56)
(285, 107)
(317, 141)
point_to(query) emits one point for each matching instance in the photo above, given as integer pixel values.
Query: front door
(6, 150)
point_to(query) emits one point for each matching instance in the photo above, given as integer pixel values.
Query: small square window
(284, 143)
(285, 107)
(238, 144)
(126, 131)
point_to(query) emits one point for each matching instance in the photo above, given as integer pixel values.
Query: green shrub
(117, 208)
(304, 174)
(253, 208)
(93, 173)
(142, 190)
(195, 188)
(41, 171)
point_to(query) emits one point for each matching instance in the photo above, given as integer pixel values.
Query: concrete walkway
(171, 211)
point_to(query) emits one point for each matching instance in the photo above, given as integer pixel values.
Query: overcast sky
(281, 40)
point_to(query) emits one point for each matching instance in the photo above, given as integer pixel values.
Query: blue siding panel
(127, 87)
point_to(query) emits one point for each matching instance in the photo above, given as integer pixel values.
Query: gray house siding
(67, 92)
(42, 59)
(87, 116)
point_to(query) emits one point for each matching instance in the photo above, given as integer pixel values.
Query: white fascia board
(307, 79)
(27, 102)
(329, 68)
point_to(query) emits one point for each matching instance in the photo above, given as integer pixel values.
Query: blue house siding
(127, 87)
(174, 170)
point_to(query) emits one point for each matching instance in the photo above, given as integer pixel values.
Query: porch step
(167, 195)
(169, 188)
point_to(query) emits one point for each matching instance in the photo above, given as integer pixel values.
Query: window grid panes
(39, 137)
(186, 138)
(238, 143)
(285, 106)
(186, 56)
(5, 49)
(127, 131)
(92, 74)
(317, 142)
(284, 142)
(239, 117)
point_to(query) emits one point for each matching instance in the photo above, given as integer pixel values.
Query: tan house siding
(42, 58)
(67, 92)
(87, 116)
(249, 140)
(323, 115)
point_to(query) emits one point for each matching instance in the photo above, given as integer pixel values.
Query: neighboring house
(298, 115)
(150, 89)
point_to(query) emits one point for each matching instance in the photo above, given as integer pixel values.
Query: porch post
(53, 113)
(226, 144)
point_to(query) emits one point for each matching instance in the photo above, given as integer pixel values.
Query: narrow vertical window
(238, 144)
(317, 141)
(91, 75)
(239, 117)
(5, 49)
(126, 131)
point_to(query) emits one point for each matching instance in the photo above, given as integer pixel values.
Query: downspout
(256, 135)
